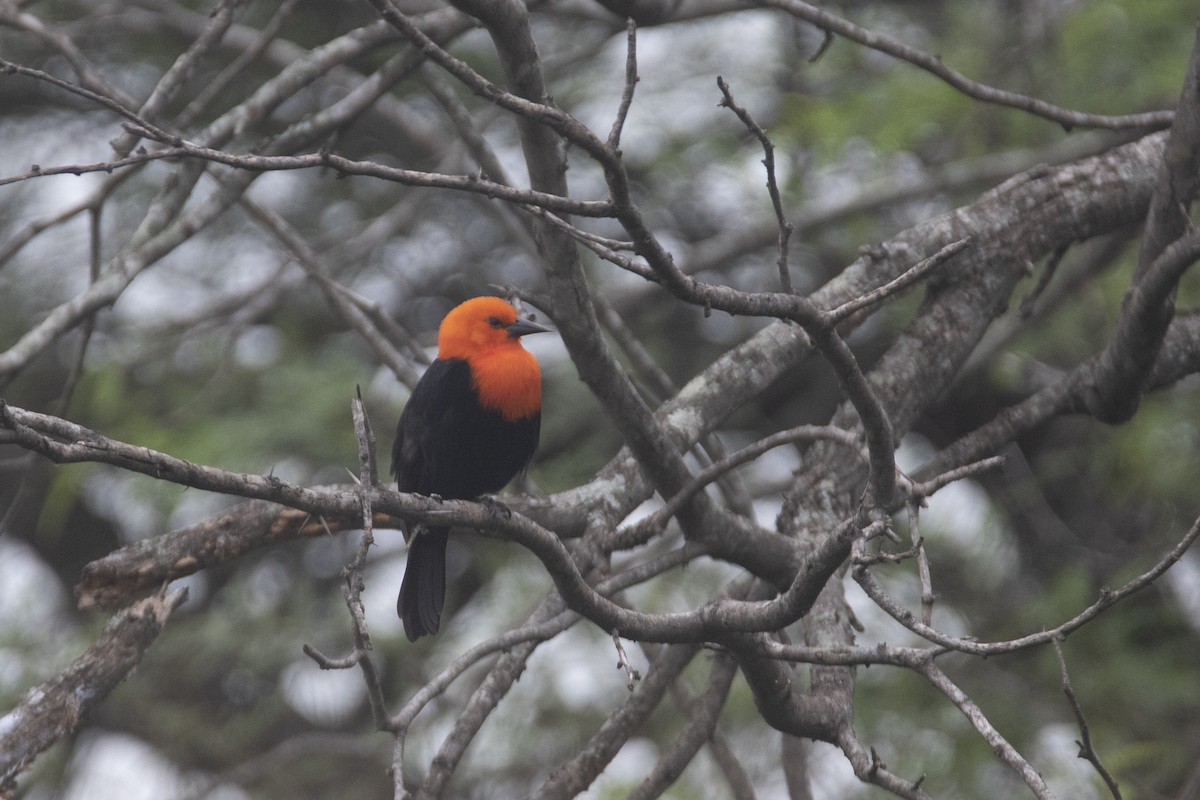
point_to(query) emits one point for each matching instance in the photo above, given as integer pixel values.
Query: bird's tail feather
(423, 591)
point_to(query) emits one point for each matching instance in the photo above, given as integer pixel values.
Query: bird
(470, 426)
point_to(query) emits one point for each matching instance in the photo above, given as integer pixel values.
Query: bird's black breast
(449, 445)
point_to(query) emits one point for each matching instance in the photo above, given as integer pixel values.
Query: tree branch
(54, 710)
(1069, 119)
(1086, 749)
(1169, 247)
(1108, 598)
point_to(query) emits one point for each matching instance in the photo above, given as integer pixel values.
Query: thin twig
(178, 74)
(89, 78)
(1086, 750)
(575, 774)
(348, 305)
(329, 662)
(262, 40)
(540, 627)
(1107, 599)
(631, 80)
(701, 714)
(360, 656)
(901, 282)
(921, 490)
(9, 68)
(831, 23)
(1000, 746)
(923, 572)
(785, 227)
(826, 41)
(179, 148)
(643, 529)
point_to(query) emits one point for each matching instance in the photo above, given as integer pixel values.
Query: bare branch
(38, 171)
(646, 527)
(1107, 599)
(631, 80)
(785, 227)
(901, 282)
(9, 68)
(869, 768)
(1169, 247)
(55, 709)
(549, 620)
(89, 78)
(366, 321)
(262, 40)
(1177, 183)
(368, 478)
(1086, 749)
(177, 148)
(701, 714)
(575, 775)
(1000, 746)
(831, 23)
(525, 108)
(176, 77)
(920, 491)
(927, 596)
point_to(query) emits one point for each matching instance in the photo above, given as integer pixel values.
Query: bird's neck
(508, 380)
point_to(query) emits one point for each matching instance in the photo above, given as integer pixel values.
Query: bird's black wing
(426, 435)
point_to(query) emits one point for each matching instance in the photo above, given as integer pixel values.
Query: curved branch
(178, 148)
(1169, 247)
(932, 64)
(1108, 598)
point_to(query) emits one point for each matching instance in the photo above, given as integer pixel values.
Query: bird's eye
(495, 322)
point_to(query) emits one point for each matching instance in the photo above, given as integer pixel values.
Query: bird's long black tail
(423, 591)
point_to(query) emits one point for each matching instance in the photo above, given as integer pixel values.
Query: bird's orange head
(486, 333)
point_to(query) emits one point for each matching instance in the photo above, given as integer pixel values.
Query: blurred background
(225, 352)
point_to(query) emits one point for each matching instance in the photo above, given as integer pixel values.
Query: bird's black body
(448, 444)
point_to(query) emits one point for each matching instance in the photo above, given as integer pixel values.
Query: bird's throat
(508, 380)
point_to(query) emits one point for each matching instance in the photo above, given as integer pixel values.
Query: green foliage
(1095, 33)
(240, 417)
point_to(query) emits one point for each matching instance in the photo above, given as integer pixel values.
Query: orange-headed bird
(471, 424)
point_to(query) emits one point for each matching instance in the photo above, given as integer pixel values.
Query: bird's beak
(523, 326)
